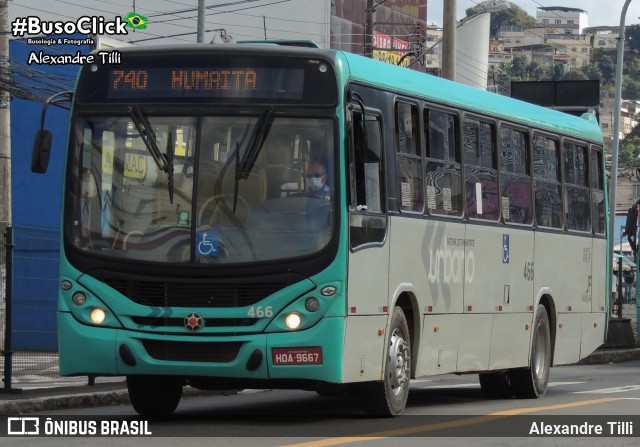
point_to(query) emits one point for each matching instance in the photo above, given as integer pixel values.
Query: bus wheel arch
(408, 302)
(388, 397)
(547, 301)
(531, 382)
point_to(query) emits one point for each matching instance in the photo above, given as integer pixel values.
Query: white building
(562, 20)
(604, 37)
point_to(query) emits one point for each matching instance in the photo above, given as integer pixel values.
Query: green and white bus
(458, 231)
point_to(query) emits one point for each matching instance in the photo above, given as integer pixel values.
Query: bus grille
(157, 322)
(178, 351)
(173, 294)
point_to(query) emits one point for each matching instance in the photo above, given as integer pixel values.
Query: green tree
(606, 63)
(537, 71)
(632, 36)
(629, 149)
(558, 72)
(502, 77)
(519, 68)
(574, 75)
(591, 72)
(514, 15)
(630, 87)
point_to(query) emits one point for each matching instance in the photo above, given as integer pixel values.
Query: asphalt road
(445, 410)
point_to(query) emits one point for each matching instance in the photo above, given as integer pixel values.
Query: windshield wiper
(169, 159)
(163, 162)
(250, 155)
(148, 137)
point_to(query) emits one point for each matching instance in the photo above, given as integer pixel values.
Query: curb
(86, 397)
(605, 356)
(64, 402)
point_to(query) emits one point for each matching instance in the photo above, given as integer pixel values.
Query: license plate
(297, 356)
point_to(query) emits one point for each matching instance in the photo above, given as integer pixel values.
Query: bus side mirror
(42, 143)
(41, 151)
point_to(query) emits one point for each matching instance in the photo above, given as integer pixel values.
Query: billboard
(558, 94)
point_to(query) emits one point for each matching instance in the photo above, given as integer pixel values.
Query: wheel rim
(540, 363)
(398, 362)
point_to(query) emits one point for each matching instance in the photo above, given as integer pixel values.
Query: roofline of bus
(411, 83)
(453, 94)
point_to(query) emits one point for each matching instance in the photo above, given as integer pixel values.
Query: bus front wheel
(389, 396)
(531, 382)
(154, 395)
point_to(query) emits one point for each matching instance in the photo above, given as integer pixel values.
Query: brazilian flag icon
(136, 21)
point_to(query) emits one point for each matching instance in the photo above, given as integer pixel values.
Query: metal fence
(28, 303)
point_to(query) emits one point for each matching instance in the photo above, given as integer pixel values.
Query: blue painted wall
(36, 204)
(36, 198)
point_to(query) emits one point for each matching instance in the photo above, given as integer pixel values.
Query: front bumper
(91, 350)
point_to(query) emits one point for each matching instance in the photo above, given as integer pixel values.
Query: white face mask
(316, 183)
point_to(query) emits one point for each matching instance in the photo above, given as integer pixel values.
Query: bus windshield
(223, 189)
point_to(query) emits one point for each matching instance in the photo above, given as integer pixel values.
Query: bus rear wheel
(531, 382)
(154, 395)
(388, 397)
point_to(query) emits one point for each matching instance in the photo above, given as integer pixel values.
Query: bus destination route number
(243, 82)
(208, 80)
(297, 356)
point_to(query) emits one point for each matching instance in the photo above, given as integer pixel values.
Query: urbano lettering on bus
(448, 265)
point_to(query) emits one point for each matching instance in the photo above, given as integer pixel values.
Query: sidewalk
(47, 393)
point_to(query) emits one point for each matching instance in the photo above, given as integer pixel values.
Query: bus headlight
(292, 321)
(98, 315)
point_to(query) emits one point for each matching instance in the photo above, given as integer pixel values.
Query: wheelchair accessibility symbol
(207, 243)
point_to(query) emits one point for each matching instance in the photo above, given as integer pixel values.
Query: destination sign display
(156, 77)
(263, 83)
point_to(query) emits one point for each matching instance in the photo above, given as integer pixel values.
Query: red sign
(383, 41)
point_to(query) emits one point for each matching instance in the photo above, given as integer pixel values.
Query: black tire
(334, 390)
(154, 395)
(495, 385)
(531, 382)
(388, 397)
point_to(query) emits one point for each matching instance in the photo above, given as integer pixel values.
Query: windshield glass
(243, 189)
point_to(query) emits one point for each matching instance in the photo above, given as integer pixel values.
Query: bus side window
(481, 176)
(546, 168)
(367, 221)
(576, 187)
(443, 175)
(515, 175)
(597, 187)
(408, 159)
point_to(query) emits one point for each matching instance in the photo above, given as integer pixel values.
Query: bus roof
(410, 82)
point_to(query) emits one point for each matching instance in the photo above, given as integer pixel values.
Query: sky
(246, 19)
(601, 12)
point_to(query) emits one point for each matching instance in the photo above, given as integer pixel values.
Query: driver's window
(367, 220)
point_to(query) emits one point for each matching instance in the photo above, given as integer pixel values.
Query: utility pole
(5, 122)
(368, 29)
(200, 21)
(449, 25)
(615, 149)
